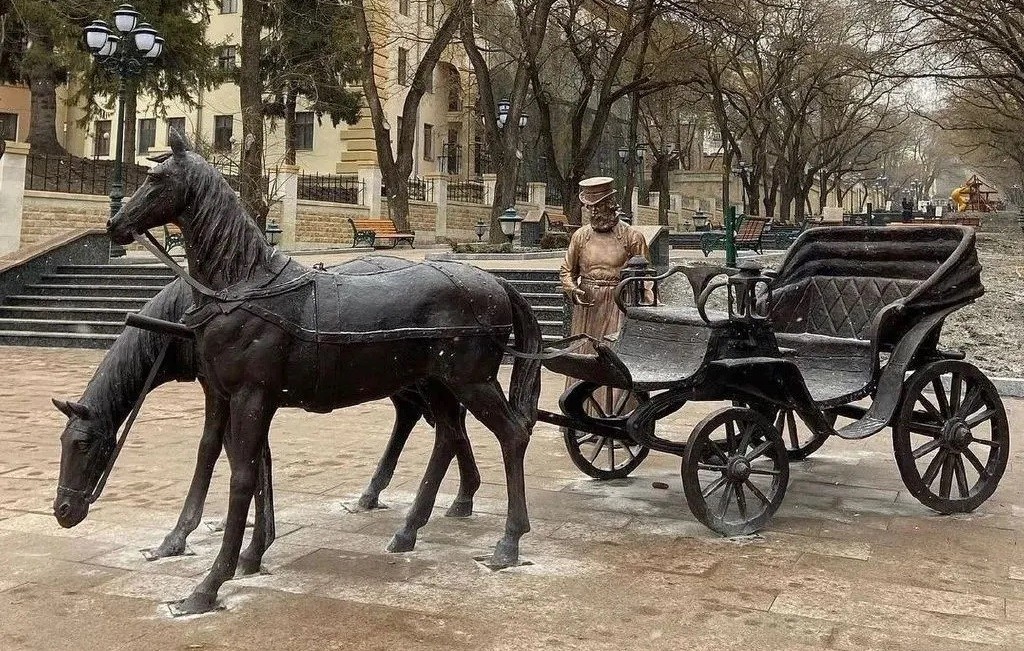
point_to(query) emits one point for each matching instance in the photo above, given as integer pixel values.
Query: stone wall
(646, 216)
(422, 219)
(319, 222)
(47, 214)
(462, 219)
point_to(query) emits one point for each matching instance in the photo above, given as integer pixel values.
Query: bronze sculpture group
(851, 313)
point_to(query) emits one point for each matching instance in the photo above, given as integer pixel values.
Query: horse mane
(224, 238)
(120, 377)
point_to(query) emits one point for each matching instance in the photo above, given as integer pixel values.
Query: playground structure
(971, 197)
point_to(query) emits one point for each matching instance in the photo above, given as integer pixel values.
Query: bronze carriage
(847, 327)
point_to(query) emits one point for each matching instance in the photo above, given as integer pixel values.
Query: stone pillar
(538, 194)
(371, 179)
(286, 186)
(490, 182)
(634, 205)
(439, 183)
(12, 189)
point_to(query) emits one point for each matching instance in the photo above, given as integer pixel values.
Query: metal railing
(466, 191)
(331, 188)
(74, 175)
(522, 191)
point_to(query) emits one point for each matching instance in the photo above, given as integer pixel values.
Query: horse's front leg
(249, 421)
(206, 459)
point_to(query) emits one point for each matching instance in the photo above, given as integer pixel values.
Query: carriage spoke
(791, 423)
(990, 443)
(597, 406)
(597, 449)
(926, 448)
(710, 467)
(718, 450)
(978, 419)
(759, 450)
(925, 429)
(621, 402)
(956, 384)
(931, 409)
(723, 502)
(961, 476)
(757, 492)
(940, 397)
(972, 401)
(933, 468)
(741, 500)
(764, 471)
(714, 486)
(748, 433)
(976, 462)
(629, 451)
(611, 455)
(946, 478)
(730, 436)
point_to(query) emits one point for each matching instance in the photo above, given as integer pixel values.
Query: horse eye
(82, 445)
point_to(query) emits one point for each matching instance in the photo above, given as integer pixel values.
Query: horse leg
(407, 413)
(264, 532)
(206, 459)
(469, 474)
(250, 416)
(488, 403)
(446, 414)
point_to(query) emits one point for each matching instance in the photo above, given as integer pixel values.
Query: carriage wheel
(958, 436)
(598, 456)
(735, 471)
(801, 441)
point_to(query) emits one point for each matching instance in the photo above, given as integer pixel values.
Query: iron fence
(522, 191)
(467, 191)
(74, 175)
(421, 189)
(554, 195)
(330, 187)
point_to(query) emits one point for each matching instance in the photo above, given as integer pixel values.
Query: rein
(149, 242)
(94, 495)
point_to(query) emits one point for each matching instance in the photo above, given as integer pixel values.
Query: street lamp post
(125, 51)
(743, 170)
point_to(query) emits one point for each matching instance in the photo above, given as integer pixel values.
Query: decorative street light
(743, 170)
(480, 229)
(126, 51)
(509, 220)
(273, 232)
(504, 106)
(640, 148)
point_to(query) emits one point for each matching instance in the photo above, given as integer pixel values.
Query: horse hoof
(506, 554)
(195, 604)
(370, 503)
(165, 550)
(401, 543)
(460, 509)
(248, 566)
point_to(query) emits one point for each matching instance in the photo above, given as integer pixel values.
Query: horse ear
(178, 142)
(71, 409)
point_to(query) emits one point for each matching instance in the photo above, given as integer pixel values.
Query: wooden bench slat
(369, 231)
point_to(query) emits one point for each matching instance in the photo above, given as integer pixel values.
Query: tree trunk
(251, 96)
(504, 196)
(42, 133)
(291, 100)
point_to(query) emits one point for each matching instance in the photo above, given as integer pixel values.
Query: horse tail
(524, 390)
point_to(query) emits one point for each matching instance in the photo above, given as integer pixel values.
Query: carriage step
(56, 339)
(65, 326)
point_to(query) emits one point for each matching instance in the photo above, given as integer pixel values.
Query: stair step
(135, 280)
(56, 339)
(116, 269)
(539, 300)
(53, 325)
(64, 314)
(121, 291)
(75, 302)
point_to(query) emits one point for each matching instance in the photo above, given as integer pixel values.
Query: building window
(403, 66)
(175, 124)
(229, 6)
(9, 126)
(430, 12)
(223, 126)
(147, 134)
(101, 138)
(226, 60)
(428, 142)
(304, 131)
(403, 7)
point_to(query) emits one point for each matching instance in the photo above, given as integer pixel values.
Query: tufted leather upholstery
(836, 306)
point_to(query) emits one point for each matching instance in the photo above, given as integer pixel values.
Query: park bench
(173, 240)
(749, 233)
(378, 233)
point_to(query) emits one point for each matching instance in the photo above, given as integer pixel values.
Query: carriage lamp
(480, 229)
(273, 232)
(509, 220)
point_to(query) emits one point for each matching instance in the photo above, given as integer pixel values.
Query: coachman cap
(596, 189)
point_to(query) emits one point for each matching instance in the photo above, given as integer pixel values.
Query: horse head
(164, 196)
(87, 444)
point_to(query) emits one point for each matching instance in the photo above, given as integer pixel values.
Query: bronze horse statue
(272, 333)
(121, 379)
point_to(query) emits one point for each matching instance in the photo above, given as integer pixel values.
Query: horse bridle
(93, 494)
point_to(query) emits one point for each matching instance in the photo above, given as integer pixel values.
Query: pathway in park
(851, 561)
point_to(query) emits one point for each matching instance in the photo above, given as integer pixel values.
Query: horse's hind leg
(446, 414)
(264, 532)
(407, 413)
(206, 459)
(469, 474)
(487, 402)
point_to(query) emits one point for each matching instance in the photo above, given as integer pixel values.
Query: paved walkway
(850, 562)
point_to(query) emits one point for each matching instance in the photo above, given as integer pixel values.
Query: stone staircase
(85, 306)
(79, 306)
